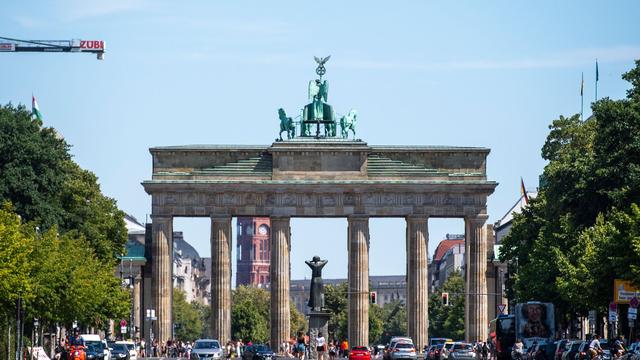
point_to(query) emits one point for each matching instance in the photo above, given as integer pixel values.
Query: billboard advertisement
(623, 291)
(535, 320)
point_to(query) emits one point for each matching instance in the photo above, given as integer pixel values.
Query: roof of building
(515, 209)
(132, 224)
(444, 246)
(185, 249)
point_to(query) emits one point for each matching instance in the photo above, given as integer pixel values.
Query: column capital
(477, 218)
(280, 218)
(417, 218)
(221, 218)
(358, 217)
(160, 217)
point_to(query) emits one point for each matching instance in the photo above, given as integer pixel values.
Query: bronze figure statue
(316, 296)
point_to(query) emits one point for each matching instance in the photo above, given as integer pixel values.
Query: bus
(502, 333)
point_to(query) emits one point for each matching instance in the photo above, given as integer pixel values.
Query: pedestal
(318, 323)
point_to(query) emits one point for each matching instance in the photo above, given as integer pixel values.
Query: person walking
(321, 346)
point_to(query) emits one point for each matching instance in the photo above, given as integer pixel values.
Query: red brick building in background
(253, 252)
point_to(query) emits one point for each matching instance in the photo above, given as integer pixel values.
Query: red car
(359, 353)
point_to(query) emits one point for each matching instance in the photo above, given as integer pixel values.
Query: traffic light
(445, 298)
(373, 295)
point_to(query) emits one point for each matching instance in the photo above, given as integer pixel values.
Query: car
(437, 341)
(392, 343)
(434, 353)
(206, 349)
(462, 351)
(444, 353)
(561, 347)
(572, 349)
(403, 350)
(359, 353)
(94, 351)
(258, 352)
(544, 351)
(119, 352)
(95, 340)
(133, 353)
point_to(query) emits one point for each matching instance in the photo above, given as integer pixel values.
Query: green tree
(250, 314)
(204, 313)
(90, 214)
(394, 316)
(376, 323)
(32, 164)
(335, 301)
(298, 321)
(580, 233)
(16, 264)
(448, 321)
(186, 318)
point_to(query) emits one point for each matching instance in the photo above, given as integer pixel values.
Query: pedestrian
(485, 350)
(332, 351)
(321, 346)
(142, 352)
(344, 348)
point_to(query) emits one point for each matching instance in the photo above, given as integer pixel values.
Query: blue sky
(464, 73)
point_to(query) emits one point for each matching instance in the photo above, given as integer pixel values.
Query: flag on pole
(582, 98)
(523, 191)
(35, 111)
(597, 78)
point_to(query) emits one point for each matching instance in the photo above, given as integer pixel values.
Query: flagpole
(582, 98)
(597, 76)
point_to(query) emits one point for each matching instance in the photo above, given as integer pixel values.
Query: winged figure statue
(321, 61)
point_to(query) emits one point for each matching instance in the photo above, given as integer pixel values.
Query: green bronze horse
(348, 122)
(286, 125)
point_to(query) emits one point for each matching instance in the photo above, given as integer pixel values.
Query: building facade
(447, 258)
(388, 288)
(253, 251)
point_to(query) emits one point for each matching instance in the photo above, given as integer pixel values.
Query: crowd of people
(299, 347)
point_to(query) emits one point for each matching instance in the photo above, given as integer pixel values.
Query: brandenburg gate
(316, 175)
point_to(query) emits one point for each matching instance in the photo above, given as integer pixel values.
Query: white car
(95, 339)
(133, 353)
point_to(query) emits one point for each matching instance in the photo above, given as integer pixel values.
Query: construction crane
(74, 46)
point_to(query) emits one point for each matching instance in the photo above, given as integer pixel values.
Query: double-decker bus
(502, 331)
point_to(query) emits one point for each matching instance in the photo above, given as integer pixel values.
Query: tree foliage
(448, 321)
(250, 314)
(45, 186)
(60, 234)
(581, 232)
(335, 301)
(58, 277)
(187, 319)
(32, 165)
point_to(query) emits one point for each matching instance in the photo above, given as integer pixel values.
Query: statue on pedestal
(318, 113)
(316, 296)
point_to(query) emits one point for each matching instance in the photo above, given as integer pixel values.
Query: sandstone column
(279, 275)
(162, 287)
(358, 248)
(417, 280)
(221, 278)
(476, 316)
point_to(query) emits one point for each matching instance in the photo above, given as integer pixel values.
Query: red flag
(523, 191)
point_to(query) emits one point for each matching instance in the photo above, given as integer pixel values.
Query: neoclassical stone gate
(321, 178)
